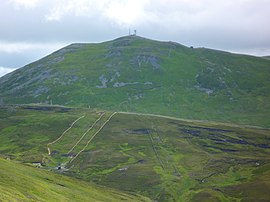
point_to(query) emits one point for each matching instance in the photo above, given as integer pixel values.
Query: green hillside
(267, 57)
(163, 158)
(140, 75)
(24, 183)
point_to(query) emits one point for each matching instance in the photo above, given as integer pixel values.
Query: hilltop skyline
(35, 28)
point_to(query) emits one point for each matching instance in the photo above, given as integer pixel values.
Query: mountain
(266, 57)
(140, 75)
(129, 155)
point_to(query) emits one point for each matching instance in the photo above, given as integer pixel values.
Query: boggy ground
(165, 159)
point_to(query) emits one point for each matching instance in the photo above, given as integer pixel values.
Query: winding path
(53, 142)
(93, 137)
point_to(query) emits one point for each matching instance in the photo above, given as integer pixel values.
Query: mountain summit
(140, 75)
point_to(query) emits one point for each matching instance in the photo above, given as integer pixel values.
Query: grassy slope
(141, 75)
(24, 183)
(173, 160)
(267, 57)
(164, 159)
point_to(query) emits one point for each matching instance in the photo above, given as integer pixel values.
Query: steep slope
(141, 75)
(24, 183)
(163, 158)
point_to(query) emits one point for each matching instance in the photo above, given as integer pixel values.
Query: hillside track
(194, 120)
(159, 147)
(89, 141)
(92, 126)
(156, 152)
(53, 142)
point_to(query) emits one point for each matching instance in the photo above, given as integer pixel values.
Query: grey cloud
(241, 21)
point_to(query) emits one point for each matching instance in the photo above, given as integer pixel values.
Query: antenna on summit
(132, 34)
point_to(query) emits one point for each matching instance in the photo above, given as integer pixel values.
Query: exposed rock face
(138, 74)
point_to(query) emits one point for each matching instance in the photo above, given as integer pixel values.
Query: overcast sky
(31, 29)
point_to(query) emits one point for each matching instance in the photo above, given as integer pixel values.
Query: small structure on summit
(132, 34)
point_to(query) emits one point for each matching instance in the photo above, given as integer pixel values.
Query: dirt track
(50, 143)
(93, 137)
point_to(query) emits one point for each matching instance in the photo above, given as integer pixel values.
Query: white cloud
(20, 47)
(63, 8)
(5, 70)
(183, 14)
(25, 3)
(253, 51)
(120, 12)
(127, 12)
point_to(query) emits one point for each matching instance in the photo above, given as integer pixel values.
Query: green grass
(224, 158)
(24, 183)
(160, 78)
(165, 159)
